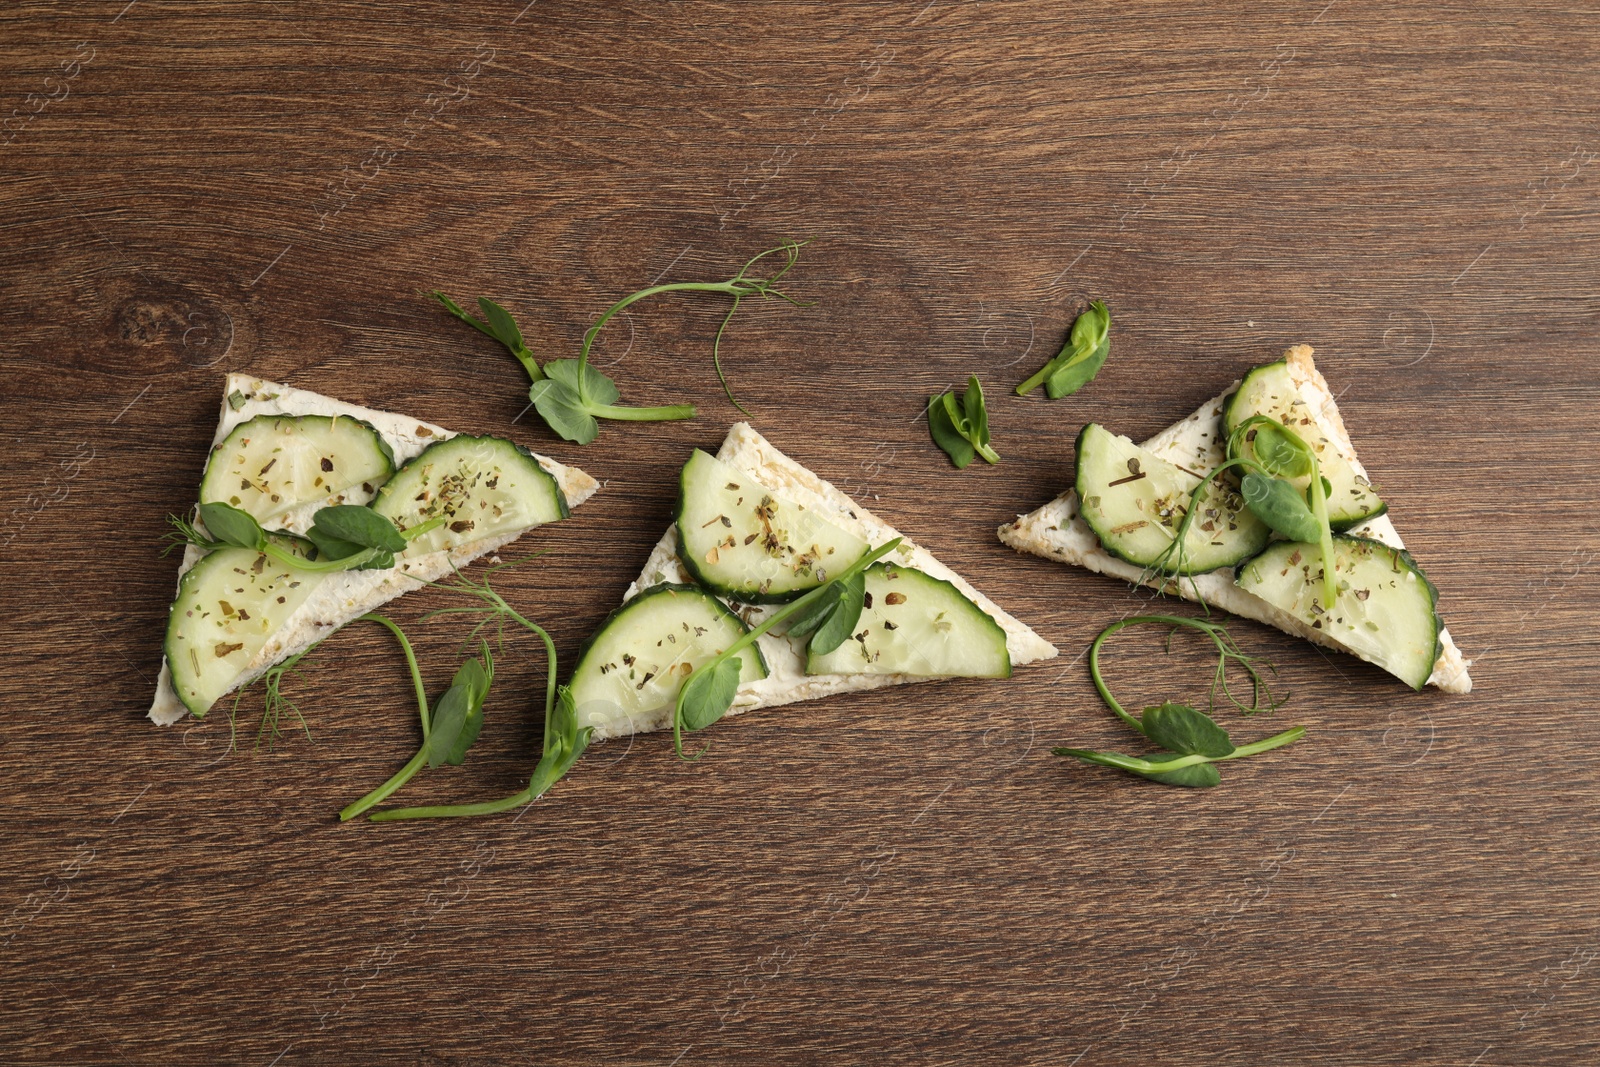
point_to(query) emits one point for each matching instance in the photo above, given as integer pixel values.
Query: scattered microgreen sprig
(1189, 742)
(1274, 458)
(961, 426)
(1079, 360)
(274, 703)
(448, 729)
(828, 613)
(564, 739)
(571, 396)
(346, 536)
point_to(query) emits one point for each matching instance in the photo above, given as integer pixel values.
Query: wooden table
(901, 877)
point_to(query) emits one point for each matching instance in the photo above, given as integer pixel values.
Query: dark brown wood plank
(901, 877)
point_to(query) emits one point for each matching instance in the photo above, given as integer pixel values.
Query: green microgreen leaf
(564, 411)
(329, 547)
(800, 608)
(566, 742)
(1080, 359)
(960, 425)
(1194, 776)
(1157, 766)
(1185, 731)
(500, 326)
(477, 677)
(1277, 449)
(356, 525)
(805, 623)
(449, 716)
(1190, 741)
(564, 739)
(581, 395)
(1282, 506)
(230, 526)
(841, 622)
(708, 695)
(1261, 440)
(946, 432)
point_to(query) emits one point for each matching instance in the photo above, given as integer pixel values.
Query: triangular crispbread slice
(1056, 531)
(345, 595)
(787, 681)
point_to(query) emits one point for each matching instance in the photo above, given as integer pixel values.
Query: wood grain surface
(901, 877)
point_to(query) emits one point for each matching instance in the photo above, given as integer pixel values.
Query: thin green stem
(455, 811)
(1094, 663)
(420, 760)
(382, 793)
(529, 363)
(716, 352)
(1036, 380)
(411, 664)
(618, 413)
(634, 298)
(324, 566)
(1144, 766)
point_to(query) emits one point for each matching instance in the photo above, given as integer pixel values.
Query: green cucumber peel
(960, 425)
(708, 692)
(1189, 741)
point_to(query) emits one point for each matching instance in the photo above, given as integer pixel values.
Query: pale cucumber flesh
(630, 671)
(744, 541)
(1270, 390)
(229, 604)
(271, 464)
(480, 486)
(1135, 501)
(1384, 610)
(918, 625)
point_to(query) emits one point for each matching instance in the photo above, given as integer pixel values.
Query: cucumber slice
(228, 604)
(629, 672)
(483, 486)
(273, 463)
(738, 538)
(1135, 501)
(913, 623)
(1385, 611)
(1270, 390)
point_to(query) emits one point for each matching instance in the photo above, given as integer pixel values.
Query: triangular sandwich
(281, 454)
(757, 530)
(1134, 498)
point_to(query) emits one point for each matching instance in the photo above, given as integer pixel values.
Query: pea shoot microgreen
(960, 426)
(828, 613)
(346, 536)
(448, 729)
(1189, 742)
(274, 703)
(564, 740)
(1079, 360)
(1275, 460)
(571, 396)
(497, 323)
